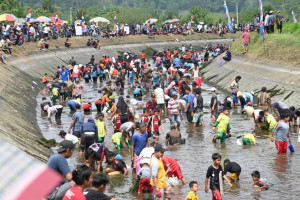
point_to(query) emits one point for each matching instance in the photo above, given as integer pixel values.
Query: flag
(82, 22)
(115, 21)
(28, 17)
(228, 16)
(262, 31)
(294, 17)
(148, 23)
(56, 20)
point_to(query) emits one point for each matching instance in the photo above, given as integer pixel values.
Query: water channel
(195, 156)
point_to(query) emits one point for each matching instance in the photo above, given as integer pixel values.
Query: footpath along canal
(194, 157)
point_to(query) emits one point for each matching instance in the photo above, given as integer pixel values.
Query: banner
(294, 17)
(262, 31)
(115, 21)
(78, 30)
(228, 16)
(28, 17)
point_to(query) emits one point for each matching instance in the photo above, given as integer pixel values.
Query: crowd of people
(172, 80)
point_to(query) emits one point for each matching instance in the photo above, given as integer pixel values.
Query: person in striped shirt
(174, 114)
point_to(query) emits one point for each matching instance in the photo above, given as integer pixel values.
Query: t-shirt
(79, 119)
(86, 106)
(137, 91)
(59, 164)
(222, 123)
(145, 173)
(101, 128)
(173, 106)
(213, 175)
(176, 62)
(236, 85)
(64, 75)
(213, 98)
(189, 100)
(91, 194)
(249, 110)
(279, 106)
(139, 141)
(160, 95)
(250, 137)
(170, 162)
(246, 38)
(119, 165)
(278, 18)
(71, 138)
(192, 196)
(232, 167)
(74, 193)
(155, 78)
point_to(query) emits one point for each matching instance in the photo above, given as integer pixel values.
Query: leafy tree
(47, 5)
(268, 7)
(199, 14)
(248, 15)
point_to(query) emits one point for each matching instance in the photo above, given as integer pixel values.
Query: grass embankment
(81, 41)
(276, 48)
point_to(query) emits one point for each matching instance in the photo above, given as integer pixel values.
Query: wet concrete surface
(194, 157)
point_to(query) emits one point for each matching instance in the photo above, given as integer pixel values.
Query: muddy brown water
(194, 157)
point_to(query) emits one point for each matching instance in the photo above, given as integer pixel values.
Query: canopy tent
(99, 20)
(8, 18)
(43, 19)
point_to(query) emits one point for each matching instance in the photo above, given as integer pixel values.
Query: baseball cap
(64, 145)
(213, 89)
(159, 147)
(174, 93)
(62, 132)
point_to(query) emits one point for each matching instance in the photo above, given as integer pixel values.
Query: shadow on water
(195, 156)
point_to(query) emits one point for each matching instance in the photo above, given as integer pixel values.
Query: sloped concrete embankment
(283, 83)
(21, 82)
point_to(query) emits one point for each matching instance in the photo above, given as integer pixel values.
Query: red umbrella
(53, 20)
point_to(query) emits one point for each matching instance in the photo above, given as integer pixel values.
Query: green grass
(277, 48)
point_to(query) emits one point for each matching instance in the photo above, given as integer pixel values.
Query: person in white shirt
(57, 109)
(67, 136)
(160, 98)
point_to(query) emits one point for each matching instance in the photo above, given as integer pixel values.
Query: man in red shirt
(172, 168)
(197, 83)
(246, 40)
(151, 105)
(98, 104)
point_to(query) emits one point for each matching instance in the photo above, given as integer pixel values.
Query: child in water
(100, 123)
(213, 174)
(144, 176)
(192, 195)
(249, 139)
(258, 183)
(222, 125)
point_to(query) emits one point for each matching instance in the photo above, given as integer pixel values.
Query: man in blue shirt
(227, 55)
(176, 62)
(188, 107)
(64, 75)
(139, 141)
(58, 162)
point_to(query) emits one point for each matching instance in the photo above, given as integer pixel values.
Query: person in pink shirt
(246, 40)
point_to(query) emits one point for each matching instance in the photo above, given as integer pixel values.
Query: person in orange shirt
(114, 73)
(45, 79)
(113, 109)
(175, 52)
(188, 55)
(105, 100)
(143, 57)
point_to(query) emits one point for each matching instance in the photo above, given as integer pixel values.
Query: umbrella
(20, 21)
(43, 19)
(53, 20)
(171, 21)
(151, 21)
(192, 22)
(33, 20)
(100, 19)
(8, 17)
(77, 22)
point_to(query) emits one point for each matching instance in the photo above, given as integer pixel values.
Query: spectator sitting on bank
(227, 56)
(68, 43)
(42, 44)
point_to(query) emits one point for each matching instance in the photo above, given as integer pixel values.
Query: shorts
(198, 116)
(175, 118)
(245, 45)
(161, 106)
(246, 141)
(221, 136)
(235, 176)
(155, 134)
(279, 26)
(166, 192)
(76, 133)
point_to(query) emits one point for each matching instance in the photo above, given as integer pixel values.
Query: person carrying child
(222, 125)
(144, 175)
(213, 172)
(192, 195)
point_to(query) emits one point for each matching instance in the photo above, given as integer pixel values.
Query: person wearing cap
(66, 136)
(58, 161)
(213, 104)
(264, 100)
(174, 113)
(139, 141)
(249, 110)
(272, 21)
(279, 19)
(246, 39)
(235, 87)
(162, 189)
(226, 103)
(227, 55)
